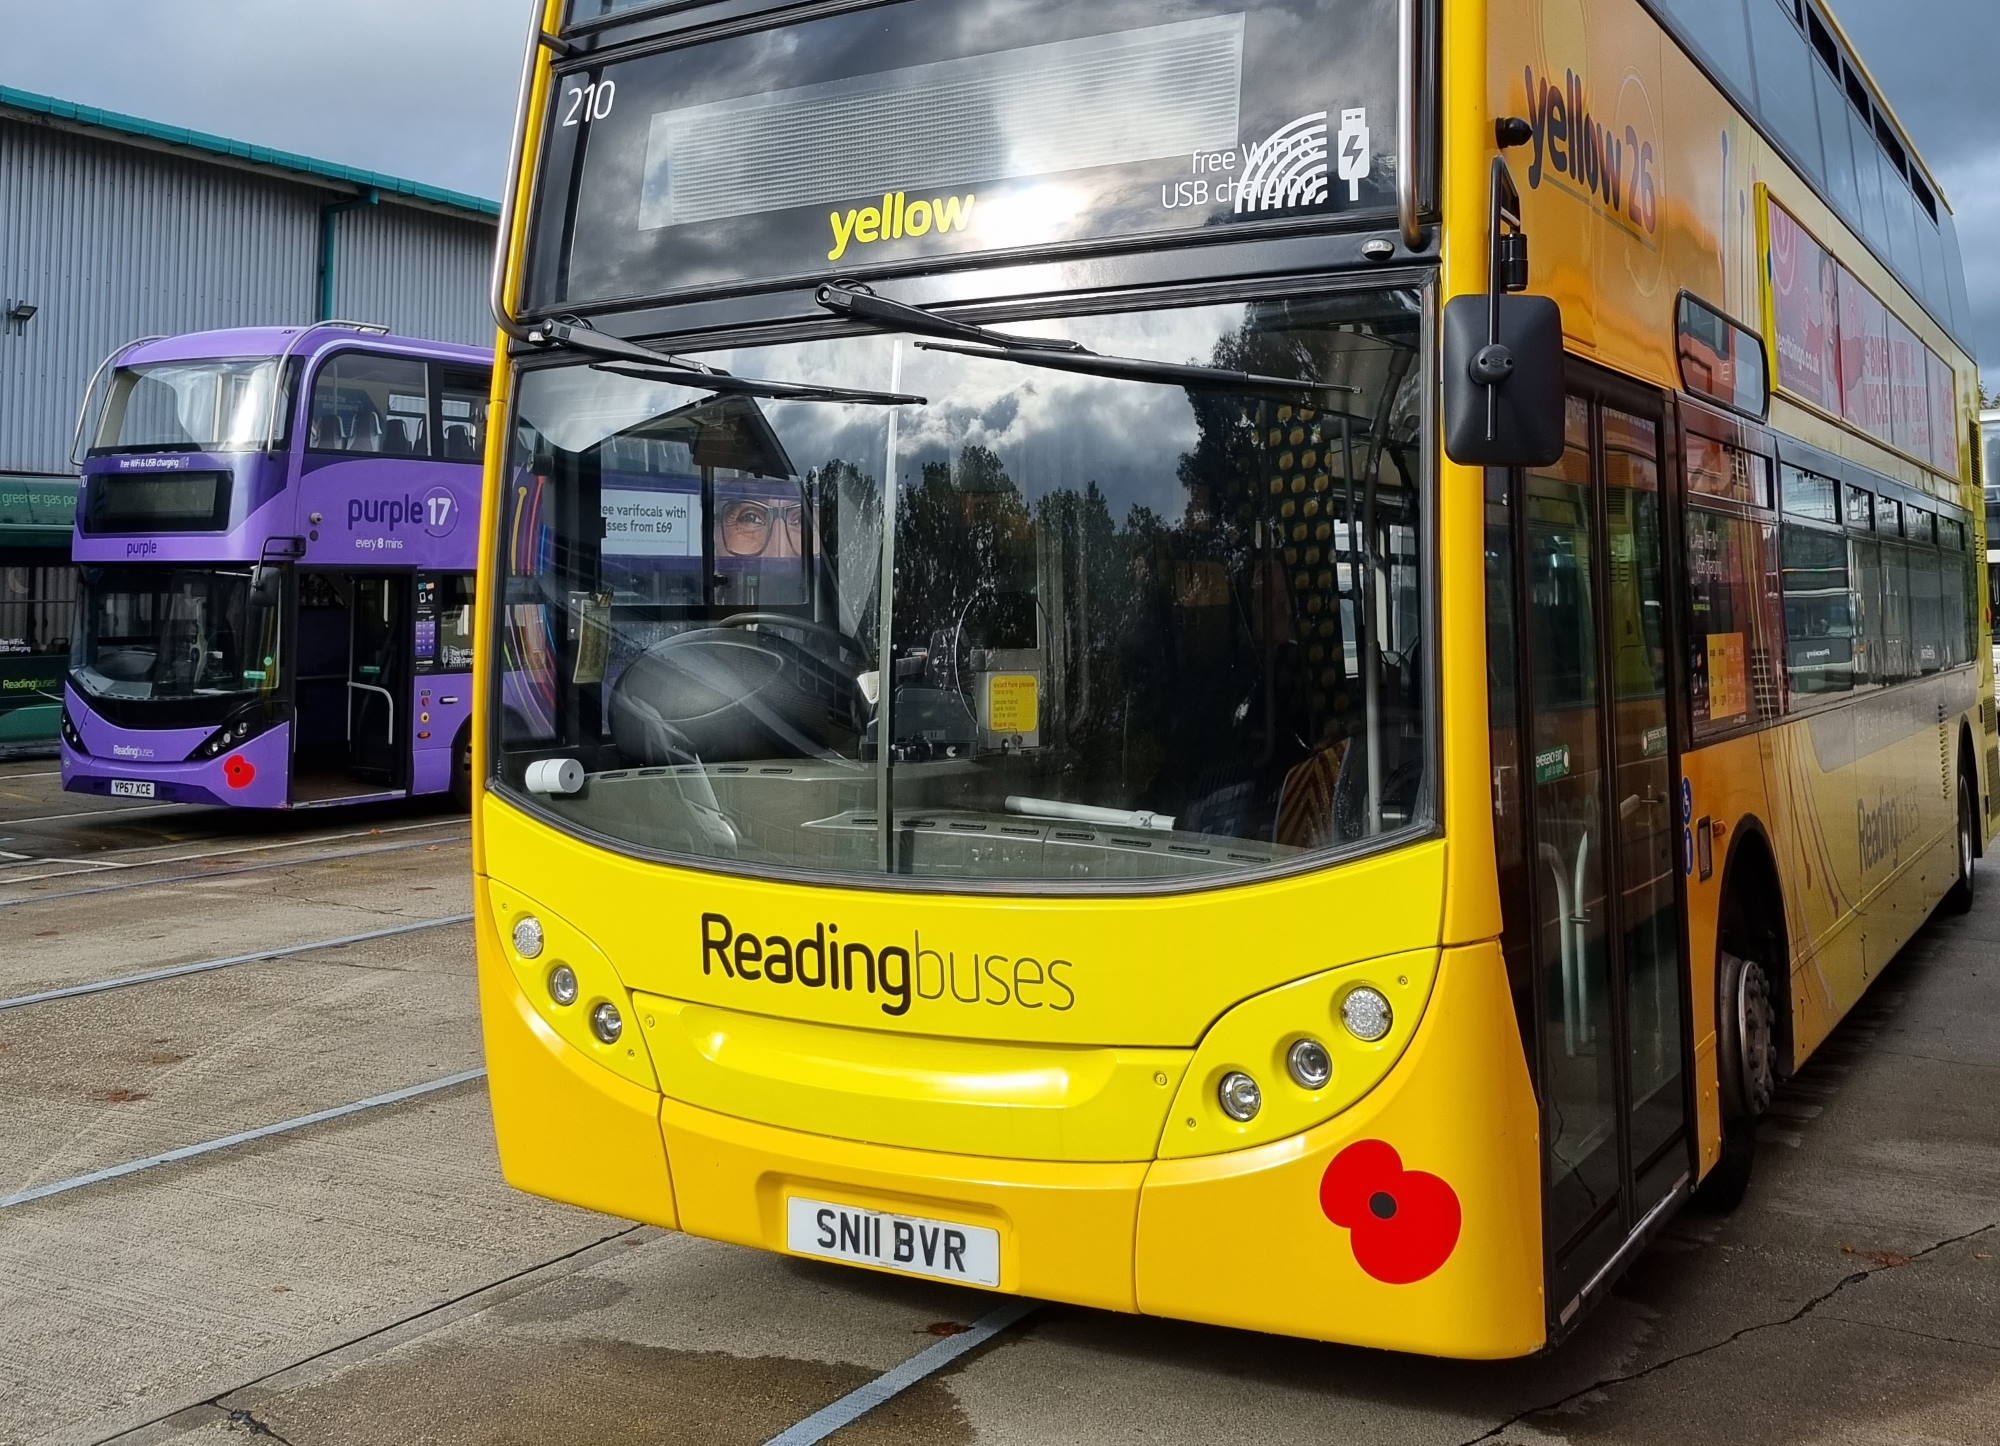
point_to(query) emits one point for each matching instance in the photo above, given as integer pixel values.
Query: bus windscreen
(896, 134)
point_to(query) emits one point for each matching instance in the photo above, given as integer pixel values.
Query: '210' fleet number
(590, 102)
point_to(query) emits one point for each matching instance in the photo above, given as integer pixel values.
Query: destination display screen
(918, 130)
(158, 502)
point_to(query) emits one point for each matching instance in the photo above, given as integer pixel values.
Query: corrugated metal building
(112, 227)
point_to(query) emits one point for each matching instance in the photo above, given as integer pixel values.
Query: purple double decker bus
(276, 533)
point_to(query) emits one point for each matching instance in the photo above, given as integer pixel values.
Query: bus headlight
(528, 940)
(1309, 1065)
(606, 1022)
(562, 984)
(244, 724)
(1366, 1013)
(1239, 1097)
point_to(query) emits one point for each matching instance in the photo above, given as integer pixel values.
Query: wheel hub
(1759, 1044)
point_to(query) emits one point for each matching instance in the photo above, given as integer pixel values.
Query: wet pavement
(368, 1278)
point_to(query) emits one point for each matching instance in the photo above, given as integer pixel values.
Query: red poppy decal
(239, 771)
(1404, 1223)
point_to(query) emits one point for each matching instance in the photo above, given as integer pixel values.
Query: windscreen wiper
(646, 364)
(852, 299)
(579, 336)
(729, 384)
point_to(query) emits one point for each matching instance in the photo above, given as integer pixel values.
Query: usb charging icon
(1352, 148)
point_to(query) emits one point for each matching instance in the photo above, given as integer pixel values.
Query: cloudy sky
(425, 88)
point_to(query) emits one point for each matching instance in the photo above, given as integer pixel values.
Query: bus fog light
(562, 984)
(606, 1023)
(1366, 1013)
(1310, 1066)
(1239, 1096)
(528, 937)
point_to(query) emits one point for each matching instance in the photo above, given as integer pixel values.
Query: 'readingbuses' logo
(1884, 829)
(897, 974)
(1289, 167)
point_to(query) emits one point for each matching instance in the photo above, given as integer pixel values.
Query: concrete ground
(369, 1279)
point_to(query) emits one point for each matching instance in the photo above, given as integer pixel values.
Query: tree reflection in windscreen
(1136, 631)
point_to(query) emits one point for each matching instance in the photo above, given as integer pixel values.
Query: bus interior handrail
(367, 328)
(76, 447)
(387, 696)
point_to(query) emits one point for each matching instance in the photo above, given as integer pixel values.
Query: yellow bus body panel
(1131, 972)
(1020, 1101)
(1065, 1228)
(567, 1127)
(1242, 1239)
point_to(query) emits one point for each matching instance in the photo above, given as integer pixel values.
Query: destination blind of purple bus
(851, 141)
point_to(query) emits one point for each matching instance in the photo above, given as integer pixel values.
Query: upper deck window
(191, 406)
(367, 403)
(461, 421)
(932, 128)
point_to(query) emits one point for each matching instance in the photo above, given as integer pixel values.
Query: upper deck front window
(1042, 628)
(899, 134)
(191, 406)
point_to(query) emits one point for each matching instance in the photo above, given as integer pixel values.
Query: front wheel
(1959, 900)
(1746, 1061)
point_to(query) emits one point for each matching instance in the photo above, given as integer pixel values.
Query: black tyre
(1746, 1061)
(461, 771)
(1959, 900)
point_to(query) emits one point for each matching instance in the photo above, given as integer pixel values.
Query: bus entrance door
(378, 690)
(1587, 837)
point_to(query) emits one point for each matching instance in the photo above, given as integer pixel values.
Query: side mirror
(266, 585)
(1503, 396)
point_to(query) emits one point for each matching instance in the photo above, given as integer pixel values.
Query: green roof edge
(110, 120)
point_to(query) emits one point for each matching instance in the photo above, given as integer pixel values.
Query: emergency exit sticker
(1013, 703)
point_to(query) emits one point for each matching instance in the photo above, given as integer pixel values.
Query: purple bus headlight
(242, 725)
(69, 734)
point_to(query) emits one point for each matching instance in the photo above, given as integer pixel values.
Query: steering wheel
(805, 625)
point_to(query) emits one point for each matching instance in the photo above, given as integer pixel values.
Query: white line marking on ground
(99, 813)
(189, 1152)
(199, 878)
(71, 991)
(103, 862)
(898, 1379)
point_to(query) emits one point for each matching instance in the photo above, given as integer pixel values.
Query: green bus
(37, 608)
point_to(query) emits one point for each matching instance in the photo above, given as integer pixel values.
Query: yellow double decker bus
(1263, 661)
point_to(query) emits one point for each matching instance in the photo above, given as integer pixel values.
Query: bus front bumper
(1409, 1221)
(252, 775)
